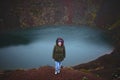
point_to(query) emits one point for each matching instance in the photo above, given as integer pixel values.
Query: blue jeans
(57, 66)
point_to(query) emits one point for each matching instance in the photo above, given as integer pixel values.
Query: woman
(58, 54)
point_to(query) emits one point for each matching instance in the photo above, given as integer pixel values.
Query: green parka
(59, 53)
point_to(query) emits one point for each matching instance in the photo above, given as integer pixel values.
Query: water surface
(32, 48)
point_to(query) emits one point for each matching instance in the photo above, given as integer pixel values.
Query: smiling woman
(82, 43)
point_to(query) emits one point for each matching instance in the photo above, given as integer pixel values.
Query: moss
(85, 78)
(85, 70)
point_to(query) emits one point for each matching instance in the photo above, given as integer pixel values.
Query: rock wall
(27, 13)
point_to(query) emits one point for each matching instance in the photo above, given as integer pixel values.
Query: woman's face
(59, 43)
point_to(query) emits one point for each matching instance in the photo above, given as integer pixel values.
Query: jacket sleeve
(64, 52)
(53, 56)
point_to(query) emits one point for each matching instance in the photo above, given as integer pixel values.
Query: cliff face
(108, 15)
(27, 13)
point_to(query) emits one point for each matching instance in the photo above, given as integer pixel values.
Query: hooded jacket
(59, 53)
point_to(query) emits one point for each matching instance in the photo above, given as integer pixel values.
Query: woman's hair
(60, 40)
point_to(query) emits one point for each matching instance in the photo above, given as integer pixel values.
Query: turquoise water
(32, 48)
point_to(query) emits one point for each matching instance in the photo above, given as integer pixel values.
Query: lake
(32, 48)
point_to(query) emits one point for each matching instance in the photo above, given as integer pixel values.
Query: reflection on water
(32, 48)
